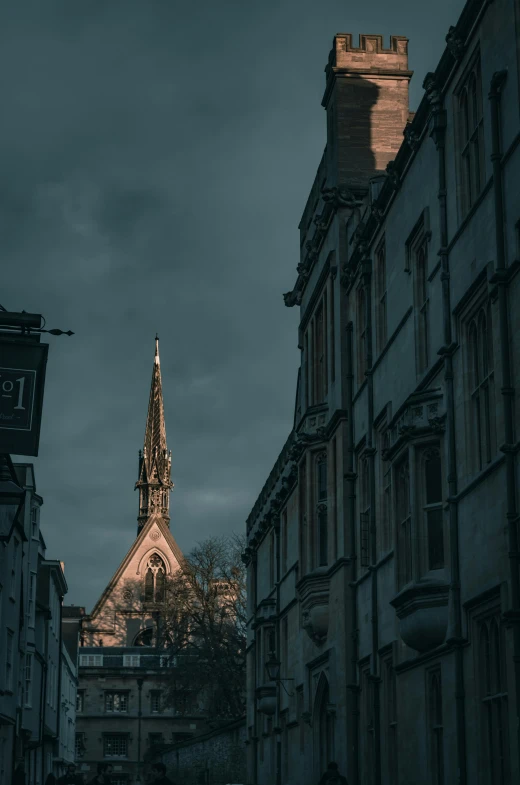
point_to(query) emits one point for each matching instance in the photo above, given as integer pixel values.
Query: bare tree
(203, 628)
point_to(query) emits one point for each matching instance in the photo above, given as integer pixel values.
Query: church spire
(154, 481)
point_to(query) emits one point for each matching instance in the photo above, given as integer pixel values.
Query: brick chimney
(366, 99)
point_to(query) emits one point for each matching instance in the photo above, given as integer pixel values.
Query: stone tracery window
(154, 580)
(482, 385)
(321, 509)
(471, 138)
(493, 700)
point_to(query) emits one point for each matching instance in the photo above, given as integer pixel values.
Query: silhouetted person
(19, 774)
(70, 777)
(103, 775)
(159, 775)
(51, 779)
(332, 776)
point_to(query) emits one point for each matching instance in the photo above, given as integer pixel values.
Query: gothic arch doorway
(323, 725)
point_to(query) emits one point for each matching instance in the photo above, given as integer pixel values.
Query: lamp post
(272, 667)
(11, 498)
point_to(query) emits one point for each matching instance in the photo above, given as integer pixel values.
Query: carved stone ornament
(422, 610)
(339, 197)
(127, 594)
(432, 91)
(411, 137)
(346, 276)
(393, 175)
(455, 43)
(292, 298)
(437, 424)
(266, 699)
(377, 212)
(155, 535)
(313, 592)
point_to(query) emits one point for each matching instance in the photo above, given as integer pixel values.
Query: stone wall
(216, 758)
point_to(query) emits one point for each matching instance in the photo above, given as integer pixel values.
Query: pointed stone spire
(155, 461)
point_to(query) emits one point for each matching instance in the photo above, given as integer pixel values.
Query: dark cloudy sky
(155, 160)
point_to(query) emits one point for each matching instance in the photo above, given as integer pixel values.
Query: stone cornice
(334, 199)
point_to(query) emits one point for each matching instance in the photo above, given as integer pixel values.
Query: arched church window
(144, 638)
(154, 579)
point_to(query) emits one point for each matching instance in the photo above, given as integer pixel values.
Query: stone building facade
(32, 588)
(383, 549)
(121, 713)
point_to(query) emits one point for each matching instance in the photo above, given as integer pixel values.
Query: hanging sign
(22, 380)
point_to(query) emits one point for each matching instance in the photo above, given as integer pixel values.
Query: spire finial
(156, 348)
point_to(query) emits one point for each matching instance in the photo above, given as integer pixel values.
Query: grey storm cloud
(155, 160)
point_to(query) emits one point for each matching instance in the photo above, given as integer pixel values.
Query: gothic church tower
(123, 616)
(155, 462)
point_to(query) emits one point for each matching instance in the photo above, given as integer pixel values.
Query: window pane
(435, 539)
(433, 477)
(322, 479)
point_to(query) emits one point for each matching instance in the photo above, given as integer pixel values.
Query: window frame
(110, 696)
(118, 737)
(364, 468)
(486, 615)
(469, 136)
(480, 365)
(155, 695)
(389, 716)
(381, 296)
(362, 332)
(435, 724)
(321, 516)
(403, 520)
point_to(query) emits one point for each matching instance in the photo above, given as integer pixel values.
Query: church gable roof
(154, 536)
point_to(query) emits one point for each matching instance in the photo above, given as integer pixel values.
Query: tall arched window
(321, 509)
(471, 138)
(362, 334)
(154, 579)
(482, 386)
(421, 307)
(364, 510)
(436, 728)
(403, 522)
(493, 703)
(432, 509)
(381, 296)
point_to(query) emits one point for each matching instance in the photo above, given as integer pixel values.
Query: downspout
(278, 729)
(351, 588)
(257, 655)
(438, 133)
(508, 392)
(370, 452)
(139, 720)
(58, 714)
(45, 670)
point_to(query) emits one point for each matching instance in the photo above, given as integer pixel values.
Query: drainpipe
(255, 680)
(370, 451)
(508, 392)
(351, 588)
(438, 133)
(278, 729)
(139, 717)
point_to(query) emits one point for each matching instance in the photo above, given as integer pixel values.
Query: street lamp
(272, 667)
(11, 498)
